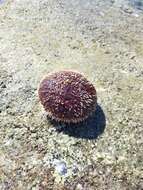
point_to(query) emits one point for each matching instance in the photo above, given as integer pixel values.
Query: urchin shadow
(89, 129)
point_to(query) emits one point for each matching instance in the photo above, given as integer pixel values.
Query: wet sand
(104, 41)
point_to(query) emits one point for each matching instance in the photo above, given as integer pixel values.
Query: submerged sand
(104, 41)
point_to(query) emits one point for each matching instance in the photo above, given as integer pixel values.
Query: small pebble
(60, 167)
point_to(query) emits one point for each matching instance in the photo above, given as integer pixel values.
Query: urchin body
(67, 96)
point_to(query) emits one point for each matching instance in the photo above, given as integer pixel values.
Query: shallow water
(104, 41)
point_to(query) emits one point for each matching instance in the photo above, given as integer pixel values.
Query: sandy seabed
(104, 41)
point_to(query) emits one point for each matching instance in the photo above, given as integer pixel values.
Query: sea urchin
(67, 96)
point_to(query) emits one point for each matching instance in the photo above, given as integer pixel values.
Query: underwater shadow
(89, 129)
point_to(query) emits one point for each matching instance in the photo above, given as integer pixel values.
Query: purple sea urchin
(67, 96)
